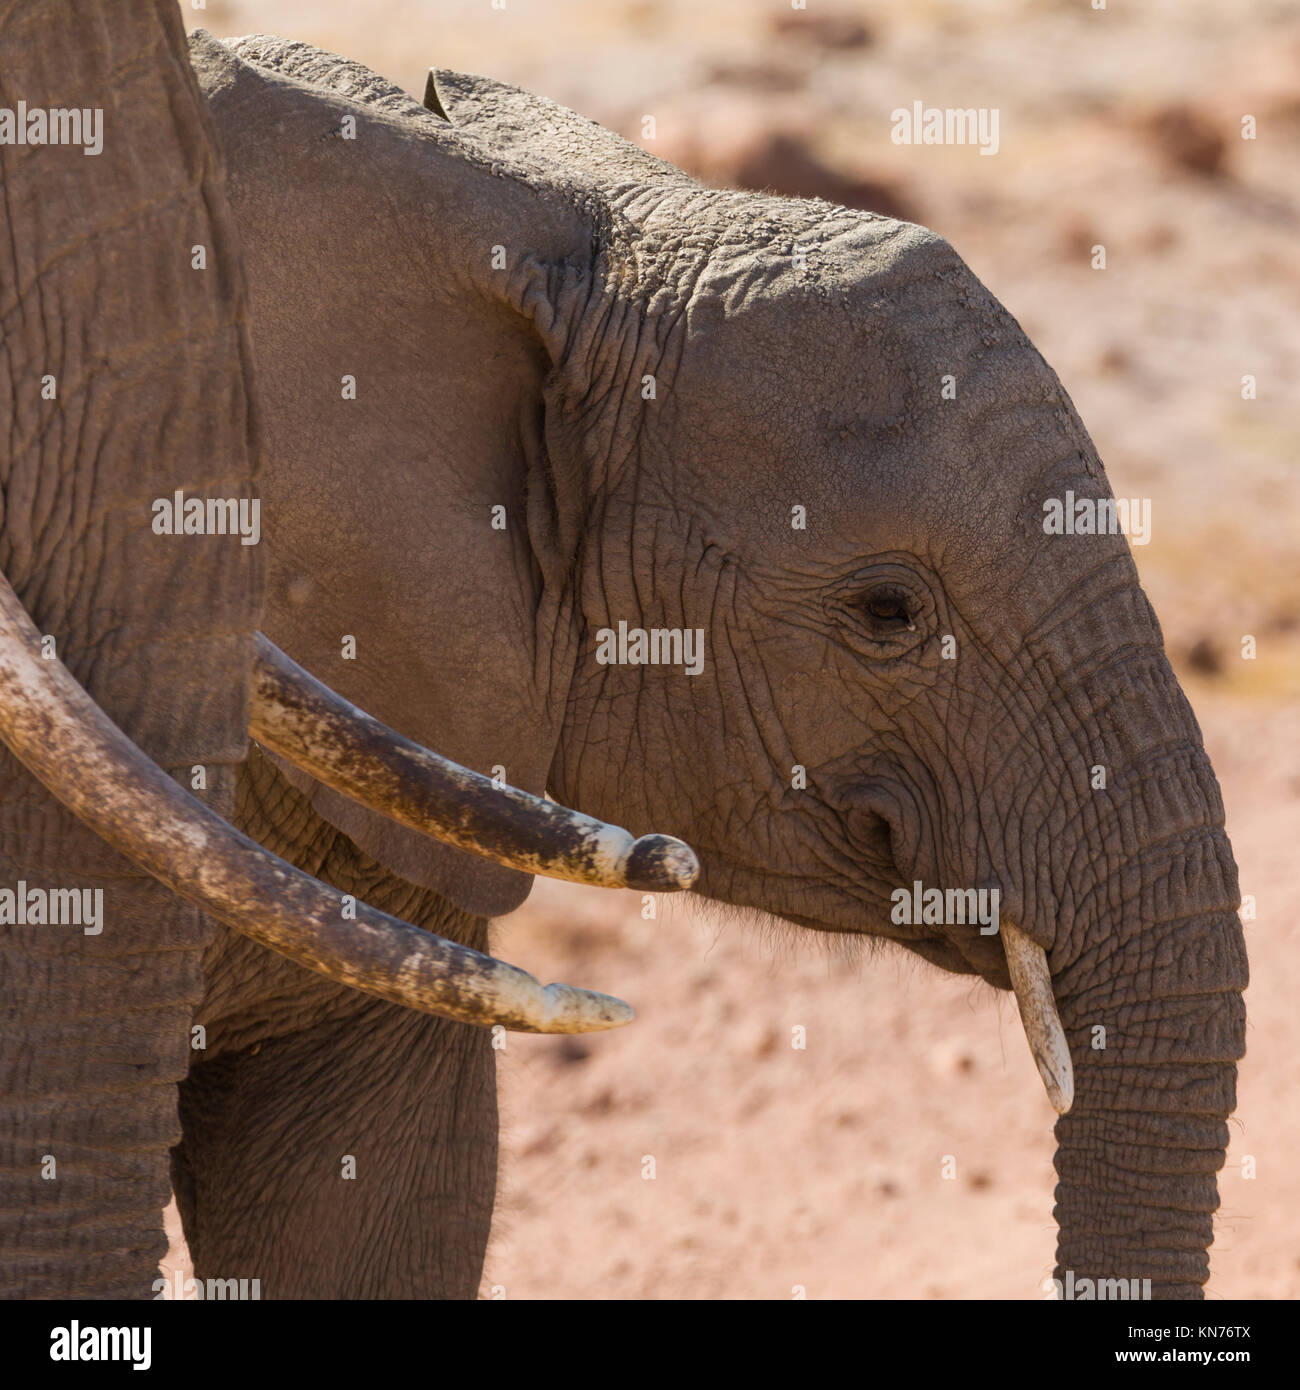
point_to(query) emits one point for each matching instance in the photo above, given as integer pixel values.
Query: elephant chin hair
(83, 759)
(783, 939)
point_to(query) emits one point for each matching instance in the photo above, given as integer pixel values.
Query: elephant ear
(523, 125)
(478, 271)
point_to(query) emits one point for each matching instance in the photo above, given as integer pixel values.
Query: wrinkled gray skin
(775, 387)
(151, 364)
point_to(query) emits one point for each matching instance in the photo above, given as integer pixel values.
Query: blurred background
(822, 1168)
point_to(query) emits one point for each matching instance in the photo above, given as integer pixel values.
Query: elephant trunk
(1138, 1153)
(1149, 966)
(127, 376)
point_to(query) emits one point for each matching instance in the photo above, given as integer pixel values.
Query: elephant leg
(334, 1145)
(353, 1159)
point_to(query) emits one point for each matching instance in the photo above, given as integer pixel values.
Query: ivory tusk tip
(661, 863)
(572, 1010)
(1059, 1081)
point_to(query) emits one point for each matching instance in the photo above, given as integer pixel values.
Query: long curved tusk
(1032, 982)
(72, 747)
(301, 719)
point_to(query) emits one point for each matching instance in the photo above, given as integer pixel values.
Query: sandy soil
(906, 1150)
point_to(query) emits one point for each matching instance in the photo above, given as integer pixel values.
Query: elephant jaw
(71, 746)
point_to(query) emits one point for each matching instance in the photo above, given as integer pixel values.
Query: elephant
(691, 508)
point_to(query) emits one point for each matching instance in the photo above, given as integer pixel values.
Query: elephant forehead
(870, 290)
(874, 381)
(805, 405)
(911, 349)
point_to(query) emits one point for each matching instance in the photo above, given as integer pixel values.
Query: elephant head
(810, 440)
(846, 482)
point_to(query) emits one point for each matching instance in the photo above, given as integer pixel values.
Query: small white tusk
(1032, 982)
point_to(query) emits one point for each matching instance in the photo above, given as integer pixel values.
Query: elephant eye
(887, 611)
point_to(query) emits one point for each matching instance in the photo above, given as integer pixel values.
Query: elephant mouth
(72, 747)
(878, 810)
(880, 847)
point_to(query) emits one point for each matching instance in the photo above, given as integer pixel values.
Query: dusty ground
(821, 1168)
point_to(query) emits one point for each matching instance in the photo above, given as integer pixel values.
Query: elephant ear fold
(478, 233)
(508, 120)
